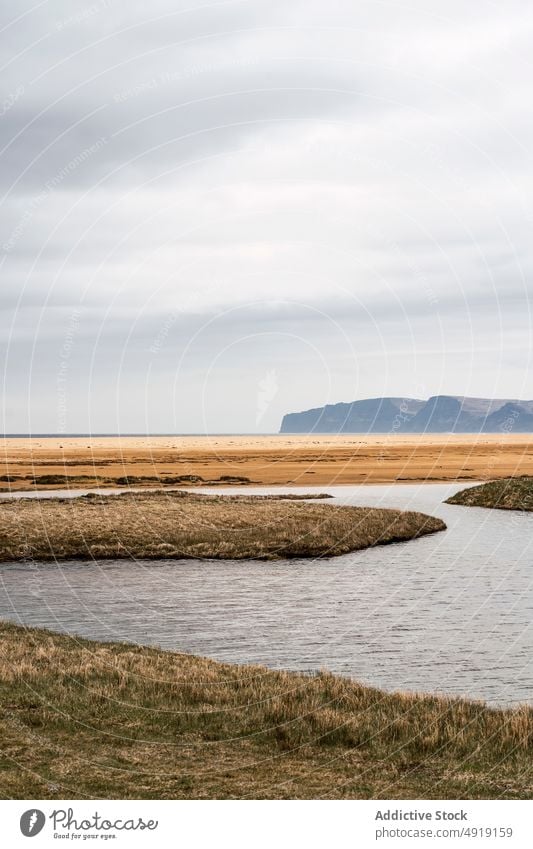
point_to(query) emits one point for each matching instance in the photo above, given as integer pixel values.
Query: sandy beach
(302, 460)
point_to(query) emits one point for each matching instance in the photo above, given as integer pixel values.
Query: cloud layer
(213, 214)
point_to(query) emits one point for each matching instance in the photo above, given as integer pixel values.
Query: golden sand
(267, 460)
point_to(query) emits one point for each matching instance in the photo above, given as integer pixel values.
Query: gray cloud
(338, 192)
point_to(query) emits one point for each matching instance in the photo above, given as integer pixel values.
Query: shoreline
(145, 723)
(222, 489)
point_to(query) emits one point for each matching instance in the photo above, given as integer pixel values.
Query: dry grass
(85, 719)
(178, 524)
(509, 494)
(93, 480)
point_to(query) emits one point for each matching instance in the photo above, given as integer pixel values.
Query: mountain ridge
(439, 414)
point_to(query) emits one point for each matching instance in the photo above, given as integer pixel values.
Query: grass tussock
(507, 494)
(183, 525)
(109, 720)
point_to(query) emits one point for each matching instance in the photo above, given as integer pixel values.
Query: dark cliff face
(440, 414)
(511, 418)
(444, 414)
(373, 415)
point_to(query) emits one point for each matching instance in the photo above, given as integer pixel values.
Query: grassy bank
(101, 720)
(508, 494)
(179, 524)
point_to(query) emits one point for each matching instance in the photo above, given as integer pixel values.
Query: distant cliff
(439, 414)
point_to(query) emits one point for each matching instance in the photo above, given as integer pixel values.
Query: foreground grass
(508, 494)
(179, 524)
(109, 720)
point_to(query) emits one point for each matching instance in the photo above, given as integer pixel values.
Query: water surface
(450, 613)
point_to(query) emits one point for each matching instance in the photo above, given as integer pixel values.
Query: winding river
(450, 613)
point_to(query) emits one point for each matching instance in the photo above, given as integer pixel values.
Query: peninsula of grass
(162, 525)
(83, 719)
(507, 494)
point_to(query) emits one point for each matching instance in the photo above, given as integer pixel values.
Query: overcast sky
(213, 214)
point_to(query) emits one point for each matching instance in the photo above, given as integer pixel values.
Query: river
(451, 613)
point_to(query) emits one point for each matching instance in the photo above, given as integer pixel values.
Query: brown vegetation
(85, 719)
(509, 494)
(175, 524)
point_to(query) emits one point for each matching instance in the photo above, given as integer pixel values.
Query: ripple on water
(450, 613)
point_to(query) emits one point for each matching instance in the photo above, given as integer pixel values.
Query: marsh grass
(183, 525)
(110, 720)
(95, 480)
(507, 494)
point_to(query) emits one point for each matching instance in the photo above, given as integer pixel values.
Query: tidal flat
(39, 463)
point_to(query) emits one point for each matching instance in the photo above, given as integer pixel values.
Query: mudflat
(301, 460)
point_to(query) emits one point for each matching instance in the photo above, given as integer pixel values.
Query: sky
(216, 213)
